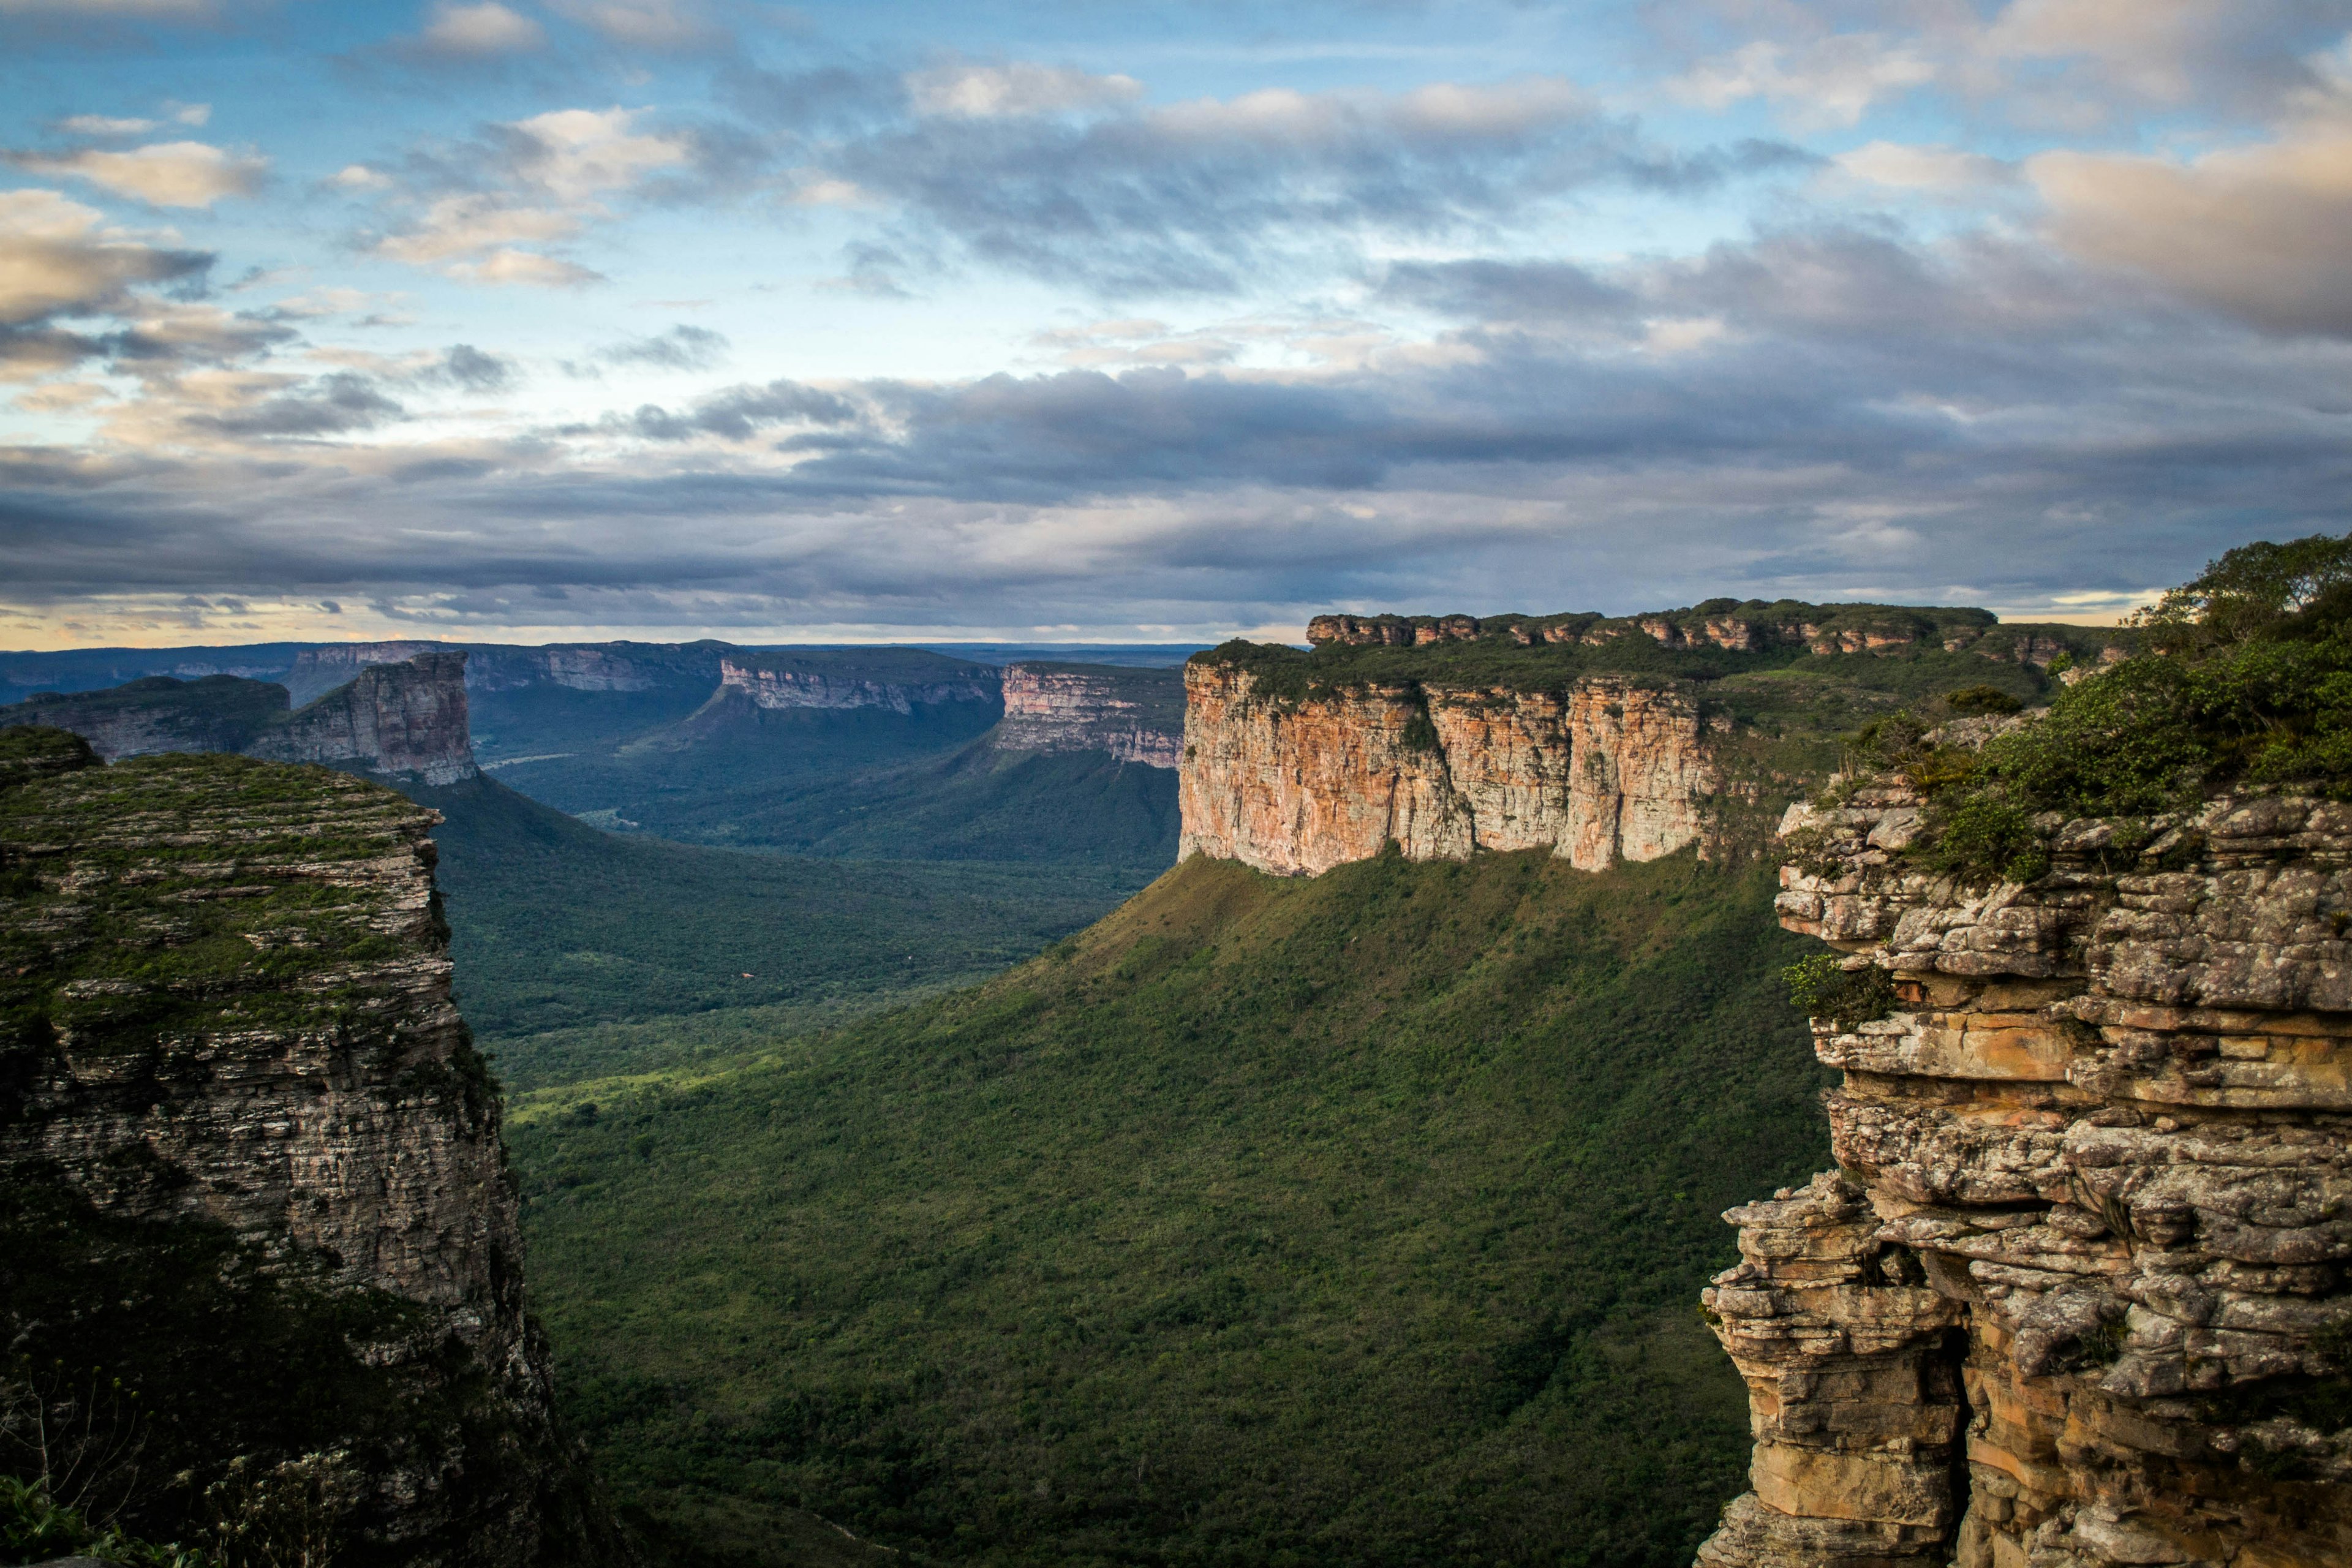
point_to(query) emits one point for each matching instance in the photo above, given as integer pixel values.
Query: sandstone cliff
(1136, 715)
(1615, 769)
(2075, 1295)
(794, 680)
(403, 720)
(252, 1162)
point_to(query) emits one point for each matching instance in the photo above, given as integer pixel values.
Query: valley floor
(1350, 1220)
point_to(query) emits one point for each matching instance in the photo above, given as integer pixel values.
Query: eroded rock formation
(1615, 769)
(1136, 715)
(779, 683)
(2075, 1296)
(251, 1160)
(405, 721)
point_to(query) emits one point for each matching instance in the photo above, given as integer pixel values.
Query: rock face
(1615, 769)
(405, 720)
(1136, 715)
(400, 719)
(781, 681)
(252, 1162)
(2076, 1294)
(319, 670)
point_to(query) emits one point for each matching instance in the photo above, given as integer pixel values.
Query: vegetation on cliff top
(1779, 686)
(2247, 681)
(1343, 1220)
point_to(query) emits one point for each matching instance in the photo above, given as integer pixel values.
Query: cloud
(2262, 232)
(167, 175)
(683, 347)
(336, 404)
(58, 261)
(737, 414)
(538, 181)
(1827, 81)
(667, 27)
(525, 267)
(1914, 167)
(979, 92)
(102, 125)
(189, 113)
(470, 368)
(478, 31)
(360, 177)
(1191, 197)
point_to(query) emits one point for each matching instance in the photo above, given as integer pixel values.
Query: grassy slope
(559, 927)
(1349, 1220)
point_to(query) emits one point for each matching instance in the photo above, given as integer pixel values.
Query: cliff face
(252, 1161)
(1615, 770)
(159, 713)
(2075, 1295)
(403, 720)
(782, 684)
(1136, 715)
(319, 670)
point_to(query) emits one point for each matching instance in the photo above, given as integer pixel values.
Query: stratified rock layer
(1136, 715)
(778, 683)
(1612, 770)
(2076, 1294)
(406, 720)
(226, 1032)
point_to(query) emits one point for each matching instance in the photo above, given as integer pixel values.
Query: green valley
(1352, 1219)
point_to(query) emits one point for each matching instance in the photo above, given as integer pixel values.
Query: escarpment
(785, 681)
(2075, 1296)
(403, 720)
(1610, 770)
(1136, 715)
(251, 1161)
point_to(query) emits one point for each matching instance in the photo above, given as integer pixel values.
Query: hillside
(1343, 1220)
(561, 927)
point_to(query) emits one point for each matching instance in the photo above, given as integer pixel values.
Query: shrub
(1822, 987)
(1983, 835)
(1969, 701)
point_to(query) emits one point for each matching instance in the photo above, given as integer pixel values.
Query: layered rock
(319, 670)
(1612, 770)
(1135, 715)
(405, 721)
(2076, 1294)
(782, 681)
(252, 1162)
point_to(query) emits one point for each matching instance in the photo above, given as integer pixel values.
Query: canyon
(253, 1163)
(2072, 1296)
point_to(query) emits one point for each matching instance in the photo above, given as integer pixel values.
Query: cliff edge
(2075, 1295)
(252, 1164)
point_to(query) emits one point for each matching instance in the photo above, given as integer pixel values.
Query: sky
(536, 320)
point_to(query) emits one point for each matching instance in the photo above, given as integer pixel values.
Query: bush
(1984, 835)
(1823, 988)
(1970, 702)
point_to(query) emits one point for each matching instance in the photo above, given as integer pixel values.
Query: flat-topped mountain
(1599, 738)
(251, 1161)
(407, 720)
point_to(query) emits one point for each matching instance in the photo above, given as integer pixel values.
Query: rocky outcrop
(403, 720)
(319, 670)
(785, 681)
(1136, 715)
(159, 713)
(2077, 1295)
(1612, 770)
(252, 1161)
